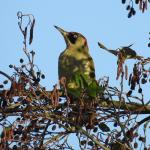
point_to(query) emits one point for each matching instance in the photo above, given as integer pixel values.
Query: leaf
(104, 127)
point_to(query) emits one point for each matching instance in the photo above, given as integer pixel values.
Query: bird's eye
(75, 36)
(72, 38)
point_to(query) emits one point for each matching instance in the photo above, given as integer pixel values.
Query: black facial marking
(92, 74)
(89, 58)
(72, 37)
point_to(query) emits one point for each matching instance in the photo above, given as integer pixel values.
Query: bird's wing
(114, 52)
(127, 46)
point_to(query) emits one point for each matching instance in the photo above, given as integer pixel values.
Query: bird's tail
(105, 48)
(102, 46)
(139, 57)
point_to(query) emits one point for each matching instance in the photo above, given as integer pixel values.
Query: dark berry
(129, 93)
(140, 90)
(137, 1)
(43, 76)
(22, 66)
(5, 82)
(95, 129)
(83, 142)
(1, 85)
(21, 60)
(143, 81)
(90, 143)
(38, 93)
(10, 66)
(145, 75)
(54, 127)
(123, 1)
(115, 124)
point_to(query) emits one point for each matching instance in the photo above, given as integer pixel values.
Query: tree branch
(134, 108)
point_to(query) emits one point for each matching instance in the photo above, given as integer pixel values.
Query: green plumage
(76, 64)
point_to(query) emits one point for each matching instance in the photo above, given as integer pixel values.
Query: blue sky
(104, 21)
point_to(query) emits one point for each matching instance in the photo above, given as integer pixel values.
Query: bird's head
(73, 39)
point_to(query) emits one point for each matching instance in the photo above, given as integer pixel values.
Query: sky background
(104, 21)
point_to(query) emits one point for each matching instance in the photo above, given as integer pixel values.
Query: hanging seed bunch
(143, 4)
(140, 75)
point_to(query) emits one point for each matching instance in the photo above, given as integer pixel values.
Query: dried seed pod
(130, 14)
(25, 33)
(133, 12)
(130, 77)
(128, 7)
(132, 87)
(142, 139)
(31, 32)
(126, 72)
(135, 145)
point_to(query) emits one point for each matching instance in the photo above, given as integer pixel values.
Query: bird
(123, 54)
(76, 65)
(125, 51)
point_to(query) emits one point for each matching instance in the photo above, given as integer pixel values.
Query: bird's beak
(64, 34)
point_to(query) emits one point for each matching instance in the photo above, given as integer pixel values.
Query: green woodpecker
(126, 52)
(76, 65)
